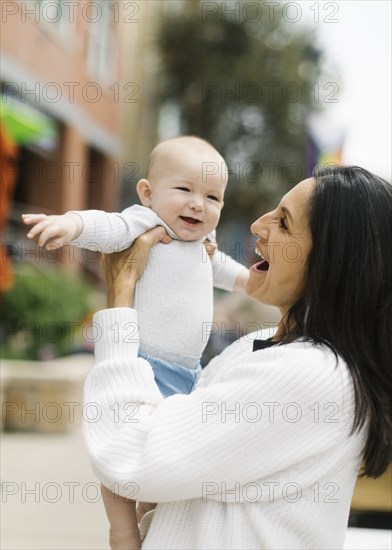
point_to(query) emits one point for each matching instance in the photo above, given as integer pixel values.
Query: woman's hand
(123, 269)
(211, 247)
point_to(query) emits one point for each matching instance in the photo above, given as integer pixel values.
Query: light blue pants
(172, 378)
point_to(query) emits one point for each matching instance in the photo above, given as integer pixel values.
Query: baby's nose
(196, 203)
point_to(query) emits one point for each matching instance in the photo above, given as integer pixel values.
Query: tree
(245, 81)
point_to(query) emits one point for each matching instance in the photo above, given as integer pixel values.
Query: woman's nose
(259, 227)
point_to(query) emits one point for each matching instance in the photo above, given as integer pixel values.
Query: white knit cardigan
(258, 456)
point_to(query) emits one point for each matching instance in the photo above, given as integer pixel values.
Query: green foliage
(248, 88)
(42, 308)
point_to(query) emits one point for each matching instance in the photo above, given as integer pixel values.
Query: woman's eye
(282, 223)
(213, 198)
(182, 188)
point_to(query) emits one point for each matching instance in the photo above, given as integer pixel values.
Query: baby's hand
(53, 231)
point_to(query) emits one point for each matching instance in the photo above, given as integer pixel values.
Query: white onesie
(174, 296)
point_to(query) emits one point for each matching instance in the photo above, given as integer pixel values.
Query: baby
(184, 193)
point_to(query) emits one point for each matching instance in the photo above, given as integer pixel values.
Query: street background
(87, 90)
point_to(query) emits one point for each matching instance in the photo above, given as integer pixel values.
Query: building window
(101, 48)
(57, 16)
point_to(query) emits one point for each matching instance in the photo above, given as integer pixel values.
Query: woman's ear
(144, 190)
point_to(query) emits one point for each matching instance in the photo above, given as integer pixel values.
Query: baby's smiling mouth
(191, 221)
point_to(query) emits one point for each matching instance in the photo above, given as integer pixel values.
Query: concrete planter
(43, 397)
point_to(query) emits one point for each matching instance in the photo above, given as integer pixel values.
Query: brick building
(60, 64)
(90, 69)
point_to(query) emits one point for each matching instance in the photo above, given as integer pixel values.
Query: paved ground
(53, 518)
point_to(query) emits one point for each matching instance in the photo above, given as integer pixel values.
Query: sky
(358, 48)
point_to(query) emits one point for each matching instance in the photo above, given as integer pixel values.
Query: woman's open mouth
(191, 221)
(262, 266)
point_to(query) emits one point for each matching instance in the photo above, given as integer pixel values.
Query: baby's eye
(214, 198)
(282, 223)
(182, 188)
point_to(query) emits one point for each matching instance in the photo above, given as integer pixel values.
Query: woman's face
(284, 242)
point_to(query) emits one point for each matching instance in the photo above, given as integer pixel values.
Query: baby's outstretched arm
(109, 231)
(53, 231)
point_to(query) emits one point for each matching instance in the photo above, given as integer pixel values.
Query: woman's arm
(120, 284)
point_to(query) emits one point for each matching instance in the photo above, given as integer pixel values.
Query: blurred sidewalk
(50, 496)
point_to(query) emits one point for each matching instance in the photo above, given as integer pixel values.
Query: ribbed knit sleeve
(260, 413)
(112, 232)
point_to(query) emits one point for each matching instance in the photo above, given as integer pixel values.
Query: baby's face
(187, 191)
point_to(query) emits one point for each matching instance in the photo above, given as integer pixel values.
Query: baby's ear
(144, 190)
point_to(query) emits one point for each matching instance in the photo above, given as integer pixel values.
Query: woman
(265, 452)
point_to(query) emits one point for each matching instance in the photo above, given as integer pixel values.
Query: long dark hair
(347, 301)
